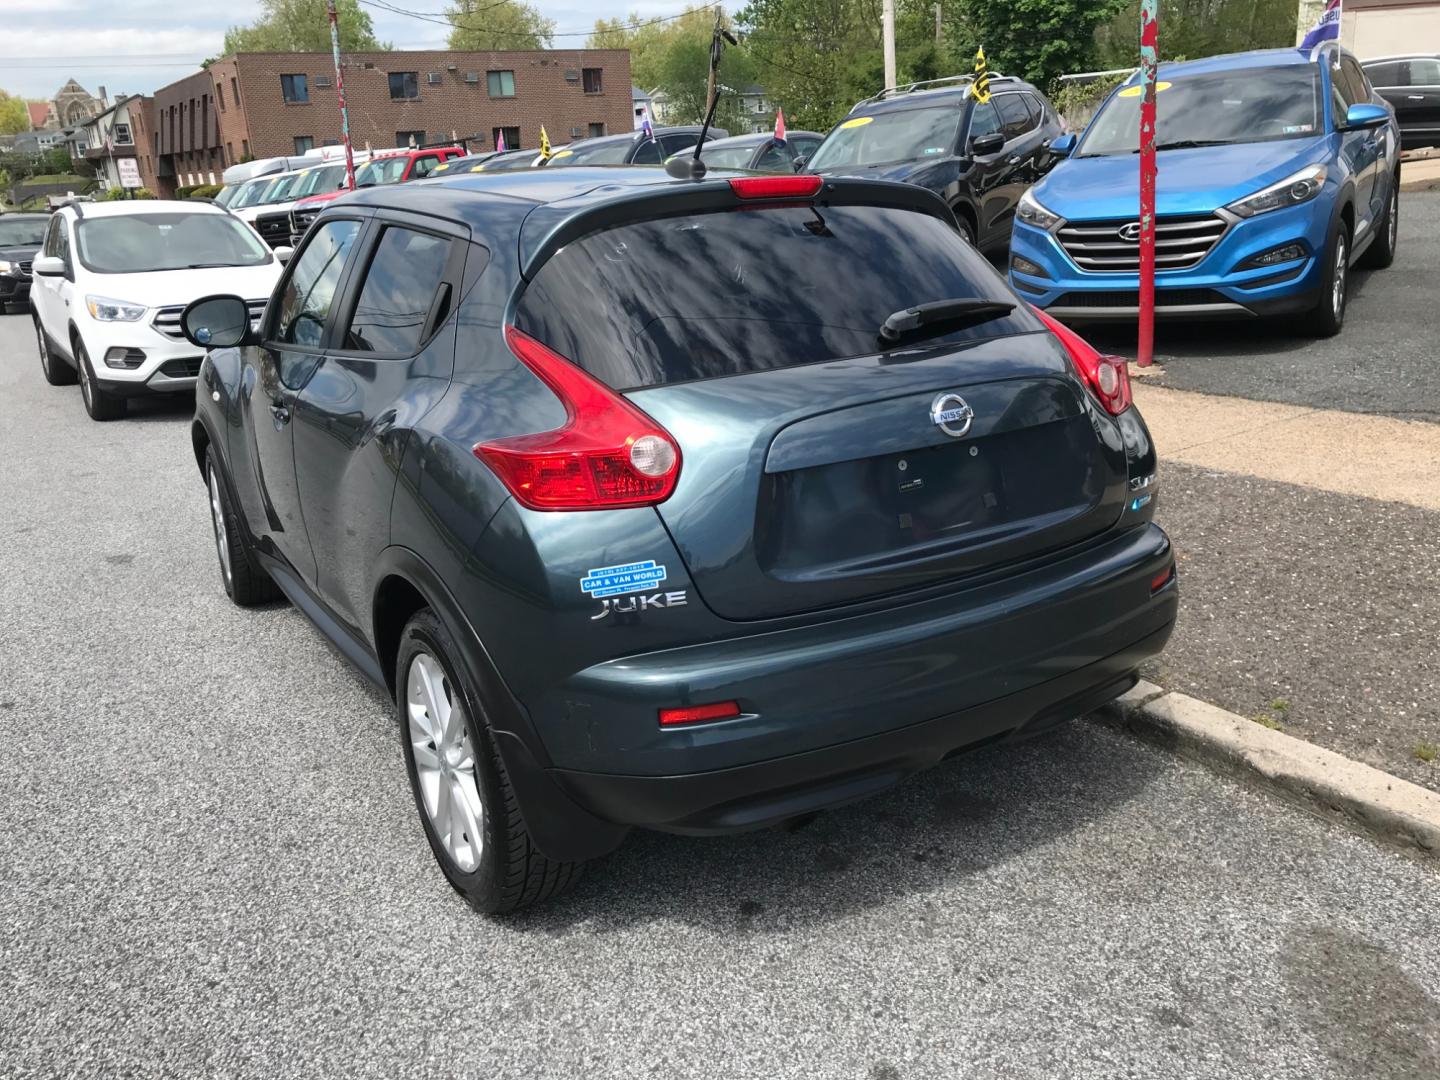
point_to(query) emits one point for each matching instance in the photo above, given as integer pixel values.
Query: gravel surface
(213, 867)
(1326, 603)
(1384, 361)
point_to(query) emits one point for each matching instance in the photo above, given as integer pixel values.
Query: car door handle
(1414, 97)
(281, 413)
(1013, 159)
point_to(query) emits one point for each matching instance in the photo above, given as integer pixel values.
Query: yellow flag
(981, 86)
(544, 143)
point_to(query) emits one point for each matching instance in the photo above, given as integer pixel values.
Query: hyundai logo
(1129, 232)
(951, 414)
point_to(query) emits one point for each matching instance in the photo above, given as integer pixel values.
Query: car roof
(929, 96)
(25, 215)
(754, 139)
(1236, 61)
(130, 207)
(1400, 56)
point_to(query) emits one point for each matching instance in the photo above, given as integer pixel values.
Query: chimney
(103, 103)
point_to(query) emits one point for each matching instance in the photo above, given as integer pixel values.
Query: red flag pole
(1149, 39)
(340, 91)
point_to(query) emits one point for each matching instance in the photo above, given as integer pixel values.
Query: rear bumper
(850, 705)
(753, 796)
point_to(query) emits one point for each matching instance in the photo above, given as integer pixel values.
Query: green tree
(1195, 28)
(1038, 39)
(486, 24)
(14, 117)
(303, 26)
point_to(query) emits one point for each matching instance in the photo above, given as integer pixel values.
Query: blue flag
(1326, 28)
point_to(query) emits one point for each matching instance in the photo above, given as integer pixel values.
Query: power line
(440, 18)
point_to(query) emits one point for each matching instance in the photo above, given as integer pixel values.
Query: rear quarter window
(731, 292)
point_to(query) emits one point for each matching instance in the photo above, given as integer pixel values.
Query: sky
(136, 46)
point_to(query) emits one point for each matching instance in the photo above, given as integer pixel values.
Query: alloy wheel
(83, 363)
(44, 352)
(1342, 267)
(444, 762)
(1394, 216)
(217, 512)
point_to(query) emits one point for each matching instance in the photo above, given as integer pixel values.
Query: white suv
(112, 280)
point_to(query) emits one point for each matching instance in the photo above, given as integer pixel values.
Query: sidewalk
(1421, 173)
(1308, 543)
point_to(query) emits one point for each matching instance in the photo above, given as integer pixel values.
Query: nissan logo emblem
(951, 414)
(1129, 232)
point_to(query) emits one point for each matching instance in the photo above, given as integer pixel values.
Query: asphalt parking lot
(213, 867)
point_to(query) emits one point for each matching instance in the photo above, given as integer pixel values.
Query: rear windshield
(22, 232)
(726, 157)
(709, 295)
(1248, 105)
(382, 171)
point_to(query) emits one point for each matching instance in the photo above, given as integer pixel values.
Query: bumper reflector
(695, 714)
(1159, 581)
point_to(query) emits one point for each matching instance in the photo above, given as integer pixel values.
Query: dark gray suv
(690, 505)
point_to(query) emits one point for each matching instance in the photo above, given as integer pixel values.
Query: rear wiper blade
(906, 321)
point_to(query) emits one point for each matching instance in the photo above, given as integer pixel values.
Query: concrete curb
(1321, 780)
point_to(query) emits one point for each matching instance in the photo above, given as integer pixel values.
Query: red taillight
(775, 187)
(607, 455)
(694, 714)
(1159, 581)
(1107, 376)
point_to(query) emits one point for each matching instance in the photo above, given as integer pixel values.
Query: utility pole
(710, 90)
(340, 92)
(937, 25)
(887, 26)
(1149, 56)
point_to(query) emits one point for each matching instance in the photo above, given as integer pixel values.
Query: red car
(386, 167)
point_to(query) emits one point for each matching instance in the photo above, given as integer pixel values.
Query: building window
(220, 95)
(245, 149)
(502, 83)
(329, 142)
(123, 136)
(596, 130)
(404, 84)
(405, 138)
(591, 79)
(512, 137)
(304, 143)
(296, 88)
(234, 90)
(229, 158)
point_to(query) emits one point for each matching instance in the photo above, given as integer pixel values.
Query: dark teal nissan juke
(695, 505)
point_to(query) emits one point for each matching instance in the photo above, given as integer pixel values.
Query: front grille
(1180, 243)
(274, 229)
(167, 319)
(300, 221)
(1130, 298)
(185, 367)
(25, 268)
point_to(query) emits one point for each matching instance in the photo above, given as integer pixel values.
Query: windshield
(727, 157)
(890, 137)
(709, 295)
(1249, 105)
(251, 193)
(283, 188)
(314, 181)
(137, 243)
(22, 232)
(226, 195)
(520, 159)
(613, 152)
(382, 171)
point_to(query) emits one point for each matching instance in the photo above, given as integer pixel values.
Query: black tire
(99, 404)
(1381, 252)
(967, 231)
(509, 872)
(55, 370)
(244, 579)
(1327, 317)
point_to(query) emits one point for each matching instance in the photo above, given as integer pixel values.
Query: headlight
(105, 310)
(1292, 191)
(1032, 213)
(5, 267)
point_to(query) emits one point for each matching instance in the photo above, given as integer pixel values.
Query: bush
(184, 191)
(201, 191)
(116, 194)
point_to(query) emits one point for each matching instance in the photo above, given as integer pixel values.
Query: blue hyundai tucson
(1278, 171)
(692, 505)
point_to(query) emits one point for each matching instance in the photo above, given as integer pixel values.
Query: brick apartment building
(254, 105)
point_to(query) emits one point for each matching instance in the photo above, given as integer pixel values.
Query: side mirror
(48, 266)
(217, 322)
(1064, 146)
(283, 253)
(991, 143)
(1365, 115)
(800, 163)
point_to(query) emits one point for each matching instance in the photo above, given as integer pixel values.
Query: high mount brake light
(606, 456)
(776, 187)
(1108, 377)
